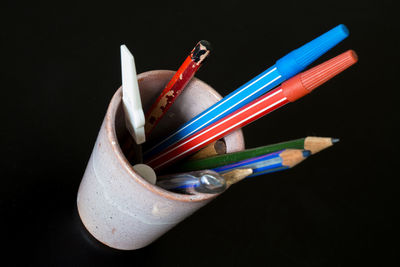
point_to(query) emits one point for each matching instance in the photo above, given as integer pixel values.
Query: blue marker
(284, 68)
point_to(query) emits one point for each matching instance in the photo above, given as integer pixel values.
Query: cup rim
(112, 137)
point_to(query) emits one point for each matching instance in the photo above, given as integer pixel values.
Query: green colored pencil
(314, 144)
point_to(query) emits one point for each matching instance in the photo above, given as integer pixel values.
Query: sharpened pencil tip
(335, 140)
(306, 153)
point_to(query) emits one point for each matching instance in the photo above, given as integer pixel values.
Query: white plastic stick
(132, 104)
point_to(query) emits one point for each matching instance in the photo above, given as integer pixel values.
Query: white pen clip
(132, 104)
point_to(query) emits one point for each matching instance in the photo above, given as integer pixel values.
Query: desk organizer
(116, 205)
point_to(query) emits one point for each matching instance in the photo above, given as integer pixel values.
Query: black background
(61, 66)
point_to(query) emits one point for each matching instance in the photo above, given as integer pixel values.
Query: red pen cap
(303, 83)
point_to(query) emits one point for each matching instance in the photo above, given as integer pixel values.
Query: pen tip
(335, 140)
(306, 153)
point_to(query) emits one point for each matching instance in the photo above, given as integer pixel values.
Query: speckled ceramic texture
(117, 206)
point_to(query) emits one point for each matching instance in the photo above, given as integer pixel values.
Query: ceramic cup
(116, 205)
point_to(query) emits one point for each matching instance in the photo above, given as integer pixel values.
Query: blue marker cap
(299, 59)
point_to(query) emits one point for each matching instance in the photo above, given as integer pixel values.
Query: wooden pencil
(236, 175)
(176, 85)
(311, 143)
(275, 161)
(216, 148)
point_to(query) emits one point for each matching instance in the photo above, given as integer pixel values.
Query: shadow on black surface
(47, 229)
(137, 257)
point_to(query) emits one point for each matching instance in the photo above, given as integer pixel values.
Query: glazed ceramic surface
(117, 206)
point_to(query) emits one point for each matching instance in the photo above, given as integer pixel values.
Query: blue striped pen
(276, 161)
(284, 68)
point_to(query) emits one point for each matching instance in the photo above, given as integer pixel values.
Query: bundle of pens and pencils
(194, 155)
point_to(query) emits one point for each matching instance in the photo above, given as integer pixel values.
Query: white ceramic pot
(116, 205)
